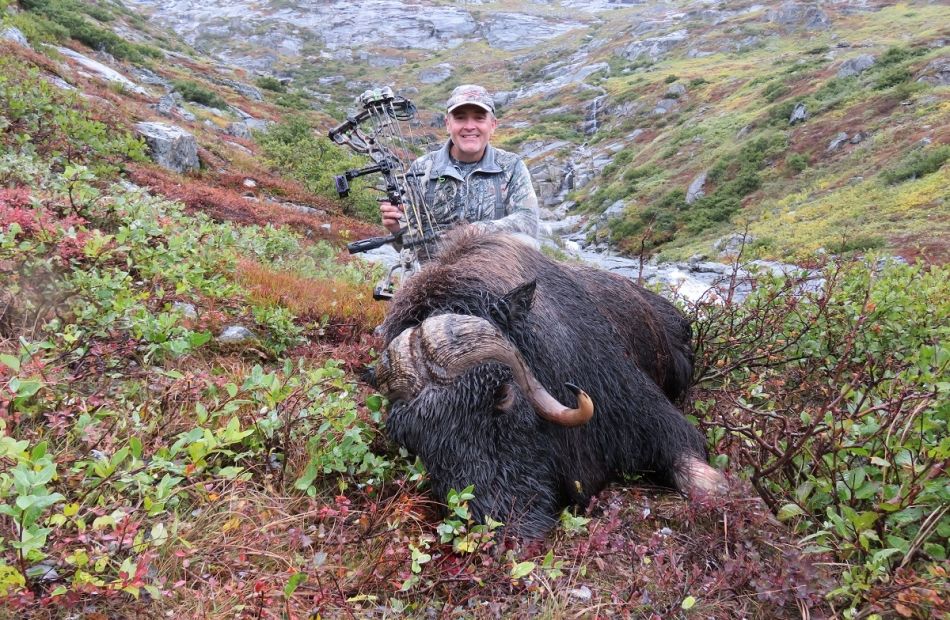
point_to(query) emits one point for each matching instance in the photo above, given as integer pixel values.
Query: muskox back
(475, 271)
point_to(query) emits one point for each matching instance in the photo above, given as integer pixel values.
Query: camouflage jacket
(496, 195)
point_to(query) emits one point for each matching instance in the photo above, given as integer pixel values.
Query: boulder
(437, 74)
(799, 114)
(170, 146)
(676, 90)
(856, 65)
(654, 48)
(937, 72)
(695, 190)
(800, 15)
(838, 140)
(166, 105)
(236, 334)
(13, 34)
(239, 130)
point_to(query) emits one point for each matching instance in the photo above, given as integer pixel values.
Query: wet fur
(625, 346)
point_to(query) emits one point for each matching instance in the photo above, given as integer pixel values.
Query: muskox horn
(445, 346)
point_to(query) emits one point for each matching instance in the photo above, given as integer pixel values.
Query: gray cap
(470, 94)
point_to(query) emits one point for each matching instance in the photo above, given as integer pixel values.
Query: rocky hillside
(183, 428)
(668, 125)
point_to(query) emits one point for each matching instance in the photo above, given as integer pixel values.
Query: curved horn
(445, 346)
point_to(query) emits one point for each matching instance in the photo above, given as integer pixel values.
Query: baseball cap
(470, 94)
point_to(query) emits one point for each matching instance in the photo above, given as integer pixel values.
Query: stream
(690, 280)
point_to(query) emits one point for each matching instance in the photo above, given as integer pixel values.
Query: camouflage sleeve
(521, 206)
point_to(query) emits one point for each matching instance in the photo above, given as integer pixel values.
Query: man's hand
(391, 215)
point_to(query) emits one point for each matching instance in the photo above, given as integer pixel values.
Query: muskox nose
(369, 377)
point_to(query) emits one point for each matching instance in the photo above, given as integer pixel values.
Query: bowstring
(387, 121)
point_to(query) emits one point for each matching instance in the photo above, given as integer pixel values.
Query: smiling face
(470, 128)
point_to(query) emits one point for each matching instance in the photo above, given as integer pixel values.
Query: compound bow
(376, 131)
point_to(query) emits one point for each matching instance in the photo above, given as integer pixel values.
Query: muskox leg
(694, 474)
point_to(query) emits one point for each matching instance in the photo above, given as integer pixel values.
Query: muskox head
(445, 346)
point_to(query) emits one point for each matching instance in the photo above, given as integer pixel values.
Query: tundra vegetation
(148, 468)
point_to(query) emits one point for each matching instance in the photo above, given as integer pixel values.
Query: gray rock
(654, 48)
(695, 190)
(937, 72)
(858, 138)
(731, 244)
(258, 124)
(171, 147)
(614, 210)
(185, 309)
(166, 105)
(385, 62)
(239, 130)
(107, 73)
(676, 90)
(58, 82)
(838, 140)
(856, 65)
(246, 90)
(14, 35)
(236, 334)
(799, 114)
(664, 106)
(147, 76)
(800, 15)
(514, 31)
(504, 98)
(437, 74)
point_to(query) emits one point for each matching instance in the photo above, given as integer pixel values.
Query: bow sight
(376, 131)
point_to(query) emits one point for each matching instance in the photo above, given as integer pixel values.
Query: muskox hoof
(696, 475)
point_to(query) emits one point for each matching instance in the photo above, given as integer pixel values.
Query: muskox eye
(505, 397)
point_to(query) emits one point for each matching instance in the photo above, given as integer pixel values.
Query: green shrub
(833, 400)
(57, 125)
(268, 82)
(192, 91)
(796, 162)
(293, 147)
(897, 55)
(775, 90)
(917, 164)
(861, 243)
(71, 17)
(892, 76)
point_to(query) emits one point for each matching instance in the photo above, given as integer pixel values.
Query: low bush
(917, 163)
(268, 82)
(35, 116)
(292, 147)
(192, 91)
(70, 18)
(829, 392)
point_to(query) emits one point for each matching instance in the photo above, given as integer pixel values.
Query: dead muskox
(484, 349)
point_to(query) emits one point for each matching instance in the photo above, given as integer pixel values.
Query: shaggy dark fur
(625, 346)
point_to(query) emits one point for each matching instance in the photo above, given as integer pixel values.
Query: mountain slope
(669, 92)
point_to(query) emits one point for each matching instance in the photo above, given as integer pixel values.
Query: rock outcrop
(170, 146)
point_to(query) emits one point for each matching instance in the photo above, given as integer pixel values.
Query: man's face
(470, 128)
